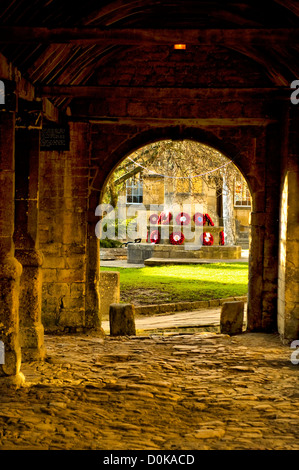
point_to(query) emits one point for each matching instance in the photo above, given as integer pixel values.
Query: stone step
(171, 261)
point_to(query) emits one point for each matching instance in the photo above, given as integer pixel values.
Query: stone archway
(262, 312)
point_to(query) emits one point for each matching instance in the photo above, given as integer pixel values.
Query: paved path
(202, 391)
(195, 318)
(182, 320)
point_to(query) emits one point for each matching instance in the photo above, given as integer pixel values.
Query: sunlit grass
(186, 282)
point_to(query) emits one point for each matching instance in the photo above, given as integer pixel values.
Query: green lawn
(182, 283)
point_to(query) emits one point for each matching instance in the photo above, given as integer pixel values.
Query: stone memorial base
(139, 253)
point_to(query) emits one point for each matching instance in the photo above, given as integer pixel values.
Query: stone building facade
(170, 192)
(113, 90)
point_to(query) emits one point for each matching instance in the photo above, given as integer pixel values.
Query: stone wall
(64, 178)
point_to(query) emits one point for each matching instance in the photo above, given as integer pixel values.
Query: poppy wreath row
(175, 238)
(181, 219)
(178, 238)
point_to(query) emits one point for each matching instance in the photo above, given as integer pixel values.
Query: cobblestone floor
(202, 391)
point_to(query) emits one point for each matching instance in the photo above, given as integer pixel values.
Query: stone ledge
(148, 253)
(184, 306)
(113, 253)
(177, 261)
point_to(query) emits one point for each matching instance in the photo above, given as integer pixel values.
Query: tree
(183, 163)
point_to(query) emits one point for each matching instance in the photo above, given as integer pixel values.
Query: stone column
(288, 272)
(255, 281)
(10, 268)
(92, 296)
(288, 283)
(26, 244)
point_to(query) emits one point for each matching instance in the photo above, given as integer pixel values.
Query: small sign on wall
(54, 137)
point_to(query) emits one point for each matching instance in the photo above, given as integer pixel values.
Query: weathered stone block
(231, 318)
(109, 288)
(122, 320)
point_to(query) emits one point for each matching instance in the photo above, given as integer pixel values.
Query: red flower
(183, 218)
(207, 239)
(176, 238)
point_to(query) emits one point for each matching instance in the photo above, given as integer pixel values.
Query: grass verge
(162, 284)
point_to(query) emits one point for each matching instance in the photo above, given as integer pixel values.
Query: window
(134, 191)
(241, 194)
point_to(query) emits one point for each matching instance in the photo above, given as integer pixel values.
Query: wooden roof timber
(77, 91)
(85, 36)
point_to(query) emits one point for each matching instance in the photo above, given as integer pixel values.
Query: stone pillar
(255, 281)
(232, 317)
(92, 296)
(288, 280)
(122, 320)
(26, 244)
(10, 268)
(109, 291)
(288, 272)
(262, 289)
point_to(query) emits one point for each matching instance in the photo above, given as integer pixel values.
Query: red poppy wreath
(183, 218)
(198, 218)
(176, 238)
(208, 220)
(155, 236)
(207, 239)
(221, 237)
(164, 218)
(154, 218)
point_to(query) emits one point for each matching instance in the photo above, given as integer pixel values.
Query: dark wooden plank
(85, 36)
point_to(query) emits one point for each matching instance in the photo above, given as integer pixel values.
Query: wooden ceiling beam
(119, 92)
(137, 37)
(194, 122)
